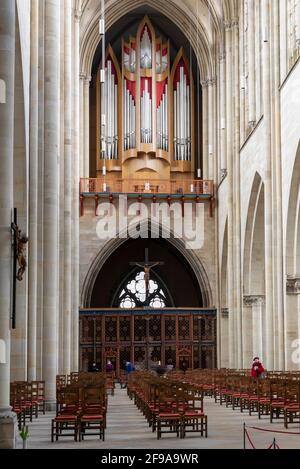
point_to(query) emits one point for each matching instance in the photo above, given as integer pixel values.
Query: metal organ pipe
(182, 118)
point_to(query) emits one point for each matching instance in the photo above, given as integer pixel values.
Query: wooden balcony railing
(144, 187)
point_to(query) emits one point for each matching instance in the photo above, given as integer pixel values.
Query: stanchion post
(244, 426)
(274, 443)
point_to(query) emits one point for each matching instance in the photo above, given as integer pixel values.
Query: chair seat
(194, 414)
(91, 417)
(169, 416)
(65, 418)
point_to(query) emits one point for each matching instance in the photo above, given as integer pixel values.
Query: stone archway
(254, 274)
(292, 313)
(111, 246)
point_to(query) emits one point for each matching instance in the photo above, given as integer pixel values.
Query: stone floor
(127, 429)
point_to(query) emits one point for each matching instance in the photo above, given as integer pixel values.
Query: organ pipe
(109, 108)
(182, 119)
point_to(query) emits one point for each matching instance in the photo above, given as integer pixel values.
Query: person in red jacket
(257, 368)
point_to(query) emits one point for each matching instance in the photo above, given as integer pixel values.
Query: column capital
(77, 15)
(208, 82)
(227, 25)
(254, 300)
(222, 56)
(293, 285)
(225, 313)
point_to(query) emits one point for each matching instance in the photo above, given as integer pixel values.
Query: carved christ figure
(21, 241)
(147, 266)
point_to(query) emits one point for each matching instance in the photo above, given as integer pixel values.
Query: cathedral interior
(150, 196)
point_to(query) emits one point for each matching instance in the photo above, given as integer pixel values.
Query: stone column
(82, 128)
(223, 113)
(205, 157)
(283, 40)
(212, 153)
(278, 223)
(224, 338)
(292, 326)
(87, 126)
(229, 154)
(7, 75)
(237, 198)
(257, 39)
(268, 188)
(75, 181)
(33, 190)
(251, 64)
(51, 197)
(253, 329)
(68, 186)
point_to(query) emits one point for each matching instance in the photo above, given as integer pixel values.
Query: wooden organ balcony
(170, 190)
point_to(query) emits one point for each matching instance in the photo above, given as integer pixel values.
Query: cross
(146, 266)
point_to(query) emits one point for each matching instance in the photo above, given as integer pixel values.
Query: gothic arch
(185, 19)
(293, 222)
(254, 258)
(103, 255)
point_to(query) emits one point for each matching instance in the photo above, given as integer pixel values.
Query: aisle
(127, 429)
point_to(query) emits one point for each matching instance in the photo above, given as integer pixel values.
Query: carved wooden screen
(185, 339)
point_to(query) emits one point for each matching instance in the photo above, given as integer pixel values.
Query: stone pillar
(211, 124)
(68, 186)
(223, 114)
(251, 64)
(7, 74)
(205, 156)
(253, 329)
(237, 197)
(278, 222)
(292, 325)
(224, 362)
(268, 188)
(33, 190)
(258, 63)
(81, 129)
(229, 154)
(75, 181)
(51, 197)
(86, 94)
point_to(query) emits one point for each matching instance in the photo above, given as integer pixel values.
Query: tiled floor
(127, 429)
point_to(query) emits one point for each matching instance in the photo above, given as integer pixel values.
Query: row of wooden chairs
(86, 378)
(277, 395)
(81, 407)
(168, 406)
(27, 400)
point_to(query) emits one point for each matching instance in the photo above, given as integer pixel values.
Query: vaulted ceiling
(202, 21)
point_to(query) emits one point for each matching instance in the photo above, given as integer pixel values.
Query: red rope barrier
(273, 431)
(249, 439)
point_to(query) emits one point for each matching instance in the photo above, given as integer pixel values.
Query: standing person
(93, 368)
(109, 367)
(257, 369)
(128, 369)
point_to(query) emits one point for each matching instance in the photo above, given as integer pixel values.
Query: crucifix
(19, 243)
(147, 266)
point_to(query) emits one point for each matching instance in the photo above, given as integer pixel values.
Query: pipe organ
(145, 110)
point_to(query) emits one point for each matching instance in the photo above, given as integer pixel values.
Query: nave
(128, 429)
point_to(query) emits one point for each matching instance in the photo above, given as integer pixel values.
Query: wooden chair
(66, 422)
(93, 413)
